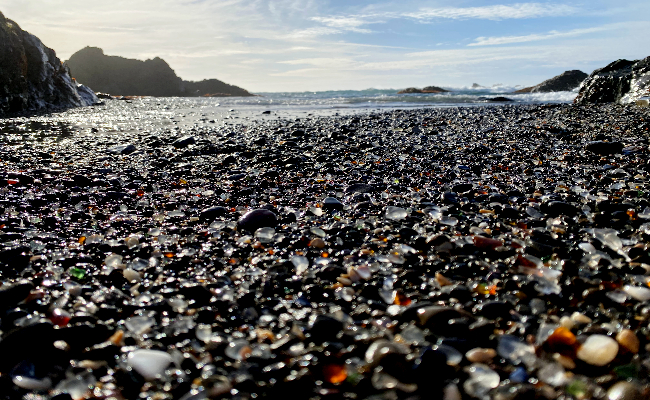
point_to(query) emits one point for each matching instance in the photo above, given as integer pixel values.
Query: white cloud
(283, 45)
(312, 32)
(351, 24)
(354, 23)
(499, 40)
(495, 12)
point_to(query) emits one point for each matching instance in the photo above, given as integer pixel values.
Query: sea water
(183, 113)
(377, 99)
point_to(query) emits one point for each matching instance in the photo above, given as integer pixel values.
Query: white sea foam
(381, 98)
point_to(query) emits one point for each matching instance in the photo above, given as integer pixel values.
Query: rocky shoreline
(495, 252)
(32, 79)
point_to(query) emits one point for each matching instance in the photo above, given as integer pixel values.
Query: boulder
(622, 82)
(32, 78)
(130, 77)
(498, 99)
(566, 81)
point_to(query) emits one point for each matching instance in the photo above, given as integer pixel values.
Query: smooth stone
(255, 219)
(480, 355)
(580, 319)
(381, 348)
(639, 293)
(462, 187)
(238, 349)
(122, 149)
(624, 391)
(265, 235)
(598, 350)
(566, 362)
(184, 141)
(332, 203)
(396, 213)
(481, 380)
(131, 275)
(317, 243)
(300, 263)
(552, 374)
(149, 363)
(214, 212)
(359, 188)
(628, 340)
(139, 324)
(604, 148)
(31, 383)
(516, 351)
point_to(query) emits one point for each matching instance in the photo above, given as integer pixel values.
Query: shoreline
(401, 253)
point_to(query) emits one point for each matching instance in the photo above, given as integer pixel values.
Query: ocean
(187, 112)
(381, 99)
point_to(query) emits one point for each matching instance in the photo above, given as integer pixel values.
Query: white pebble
(395, 213)
(639, 293)
(567, 322)
(149, 363)
(580, 319)
(481, 380)
(131, 276)
(598, 350)
(31, 383)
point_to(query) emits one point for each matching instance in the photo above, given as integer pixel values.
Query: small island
(428, 89)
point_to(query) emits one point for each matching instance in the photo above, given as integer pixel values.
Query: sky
(315, 45)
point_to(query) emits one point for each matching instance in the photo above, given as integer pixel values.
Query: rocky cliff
(130, 77)
(32, 78)
(622, 81)
(566, 81)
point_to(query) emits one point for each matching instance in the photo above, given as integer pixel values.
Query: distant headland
(130, 77)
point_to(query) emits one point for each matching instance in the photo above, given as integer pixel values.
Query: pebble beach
(149, 249)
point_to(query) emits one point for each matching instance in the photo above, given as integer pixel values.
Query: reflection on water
(182, 114)
(28, 130)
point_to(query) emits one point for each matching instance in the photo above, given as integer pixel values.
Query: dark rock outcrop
(32, 78)
(130, 77)
(498, 99)
(622, 81)
(566, 81)
(428, 89)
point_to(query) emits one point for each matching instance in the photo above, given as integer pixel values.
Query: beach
(166, 249)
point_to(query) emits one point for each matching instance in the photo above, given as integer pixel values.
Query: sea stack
(32, 78)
